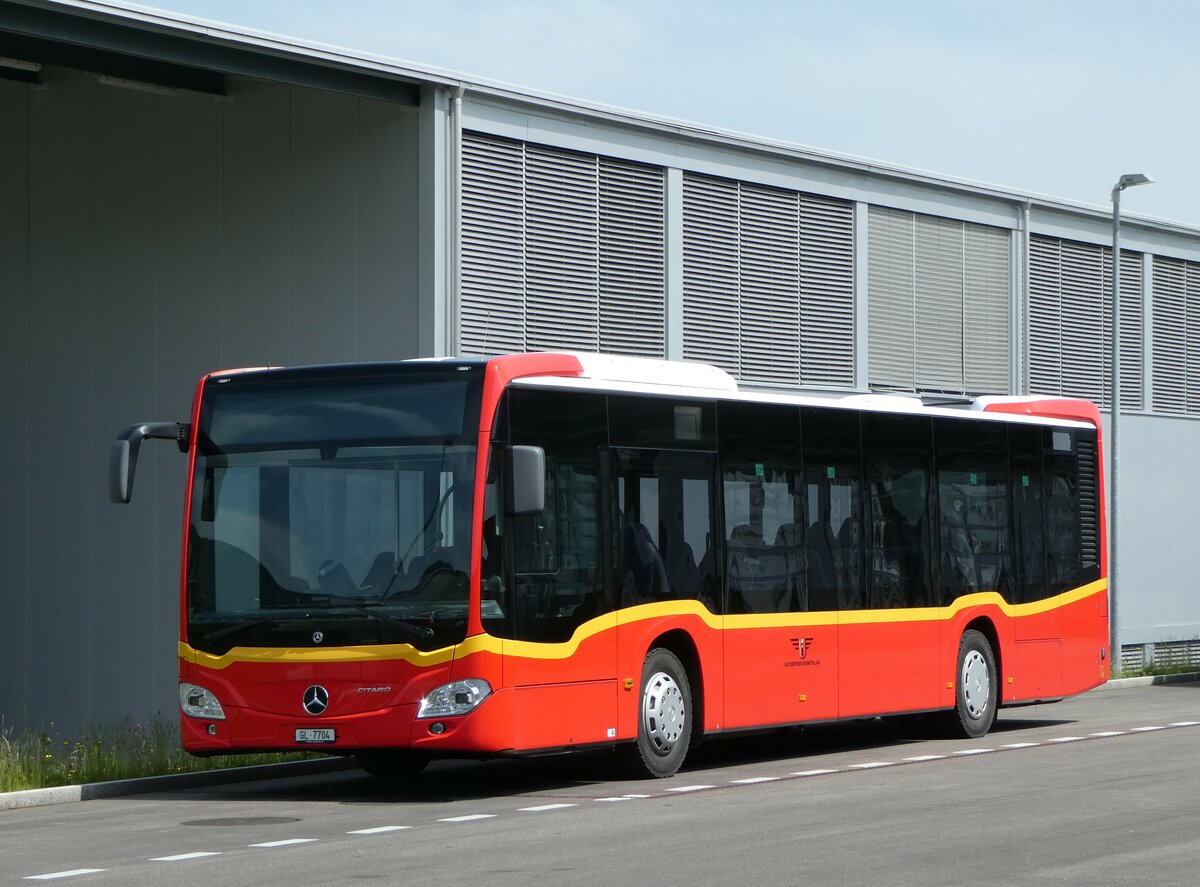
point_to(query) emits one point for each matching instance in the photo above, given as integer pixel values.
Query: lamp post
(1126, 181)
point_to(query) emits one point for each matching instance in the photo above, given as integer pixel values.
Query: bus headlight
(196, 702)
(456, 698)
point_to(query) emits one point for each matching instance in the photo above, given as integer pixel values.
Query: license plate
(317, 735)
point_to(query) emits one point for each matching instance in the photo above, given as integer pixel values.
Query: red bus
(550, 552)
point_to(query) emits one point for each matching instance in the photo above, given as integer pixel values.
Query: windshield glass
(332, 512)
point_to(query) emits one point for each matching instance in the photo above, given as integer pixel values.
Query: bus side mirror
(526, 488)
(122, 460)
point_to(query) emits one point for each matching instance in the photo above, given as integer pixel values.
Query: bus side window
(764, 508)
(1061, 511)
(897, 451)
(1029, 537)
(973, 543)
(833, 508)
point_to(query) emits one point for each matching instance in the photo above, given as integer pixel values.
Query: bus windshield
(333, 511)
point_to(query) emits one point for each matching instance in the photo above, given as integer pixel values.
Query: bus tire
(665, 716)
(395, 764)
(976, 687)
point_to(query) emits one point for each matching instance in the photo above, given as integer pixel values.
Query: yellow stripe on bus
(642, 612)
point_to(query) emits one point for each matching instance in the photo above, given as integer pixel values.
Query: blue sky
(1058, 97)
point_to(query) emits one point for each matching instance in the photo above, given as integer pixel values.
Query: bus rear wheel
(395, 764)
(664, 717)
(977, 687)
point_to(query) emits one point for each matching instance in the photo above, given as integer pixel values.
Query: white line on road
(812, 772)
(543, 808)
(916, 759)
(690, 788)
(870, 765)
(1186, 724)
(379, 830)
(1065, 739)
(1145, 729)
(754, 780)
(472, 817)
(183, 857)
(1021, 745)
(50, 876)
(1105, 734)
(285, 843)
(974, 751)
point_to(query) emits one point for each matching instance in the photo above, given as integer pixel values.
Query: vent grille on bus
(1089, 506)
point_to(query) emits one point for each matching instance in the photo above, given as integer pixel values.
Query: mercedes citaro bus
(548, 552)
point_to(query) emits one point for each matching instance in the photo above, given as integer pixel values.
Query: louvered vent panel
(1192, 340)
(1131, 328)
(1045, 316)
(890, 282)
(1089, 504)
(1086, 321)
(987, 284)
(826, 291)
(493, 254)
(711, 323)
(939, 303)
(632, 259)
(561, 249)
(1170, 331)
(769, 250)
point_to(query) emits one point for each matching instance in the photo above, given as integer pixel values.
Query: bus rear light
(457, 698)
(196, 702)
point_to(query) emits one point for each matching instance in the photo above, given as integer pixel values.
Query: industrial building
(178, 197)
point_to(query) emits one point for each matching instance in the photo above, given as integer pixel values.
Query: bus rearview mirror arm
(122, 460)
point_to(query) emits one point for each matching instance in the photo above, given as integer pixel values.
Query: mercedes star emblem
(316, 699)
(318, 636)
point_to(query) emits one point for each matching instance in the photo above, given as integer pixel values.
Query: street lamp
(1126, 181)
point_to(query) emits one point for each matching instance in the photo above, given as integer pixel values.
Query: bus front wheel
(664, 717)
(977, 687)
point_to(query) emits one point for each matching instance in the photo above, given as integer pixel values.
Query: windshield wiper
(416, 632)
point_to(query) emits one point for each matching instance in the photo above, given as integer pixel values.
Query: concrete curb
(1148, 680)
(65, 794)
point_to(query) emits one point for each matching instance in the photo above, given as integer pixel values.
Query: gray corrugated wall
(146, 239)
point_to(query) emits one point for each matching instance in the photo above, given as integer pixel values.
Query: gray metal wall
(144, 240)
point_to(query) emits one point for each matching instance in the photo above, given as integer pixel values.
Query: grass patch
(1153, 670)
(125, 750)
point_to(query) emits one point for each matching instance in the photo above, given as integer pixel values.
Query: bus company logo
(316, 699)
(802, 645)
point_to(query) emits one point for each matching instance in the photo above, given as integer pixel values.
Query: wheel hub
(663, 713)
(976, 684)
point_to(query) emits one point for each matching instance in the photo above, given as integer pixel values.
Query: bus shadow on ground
(464, 780)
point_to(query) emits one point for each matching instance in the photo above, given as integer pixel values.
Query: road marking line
(472, 817)
(1104, 734)
(916, 759)
(812, 772)
(974, 751)
(49, 876)
(870, 765)
(1146, 729)
(544, 807)
(1186, 724)
(182, 857)
(614, 799)
(1065, 739)
(379, 830)
(754, 780)
(285, 843)
(1021, 745)
(690, 788)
